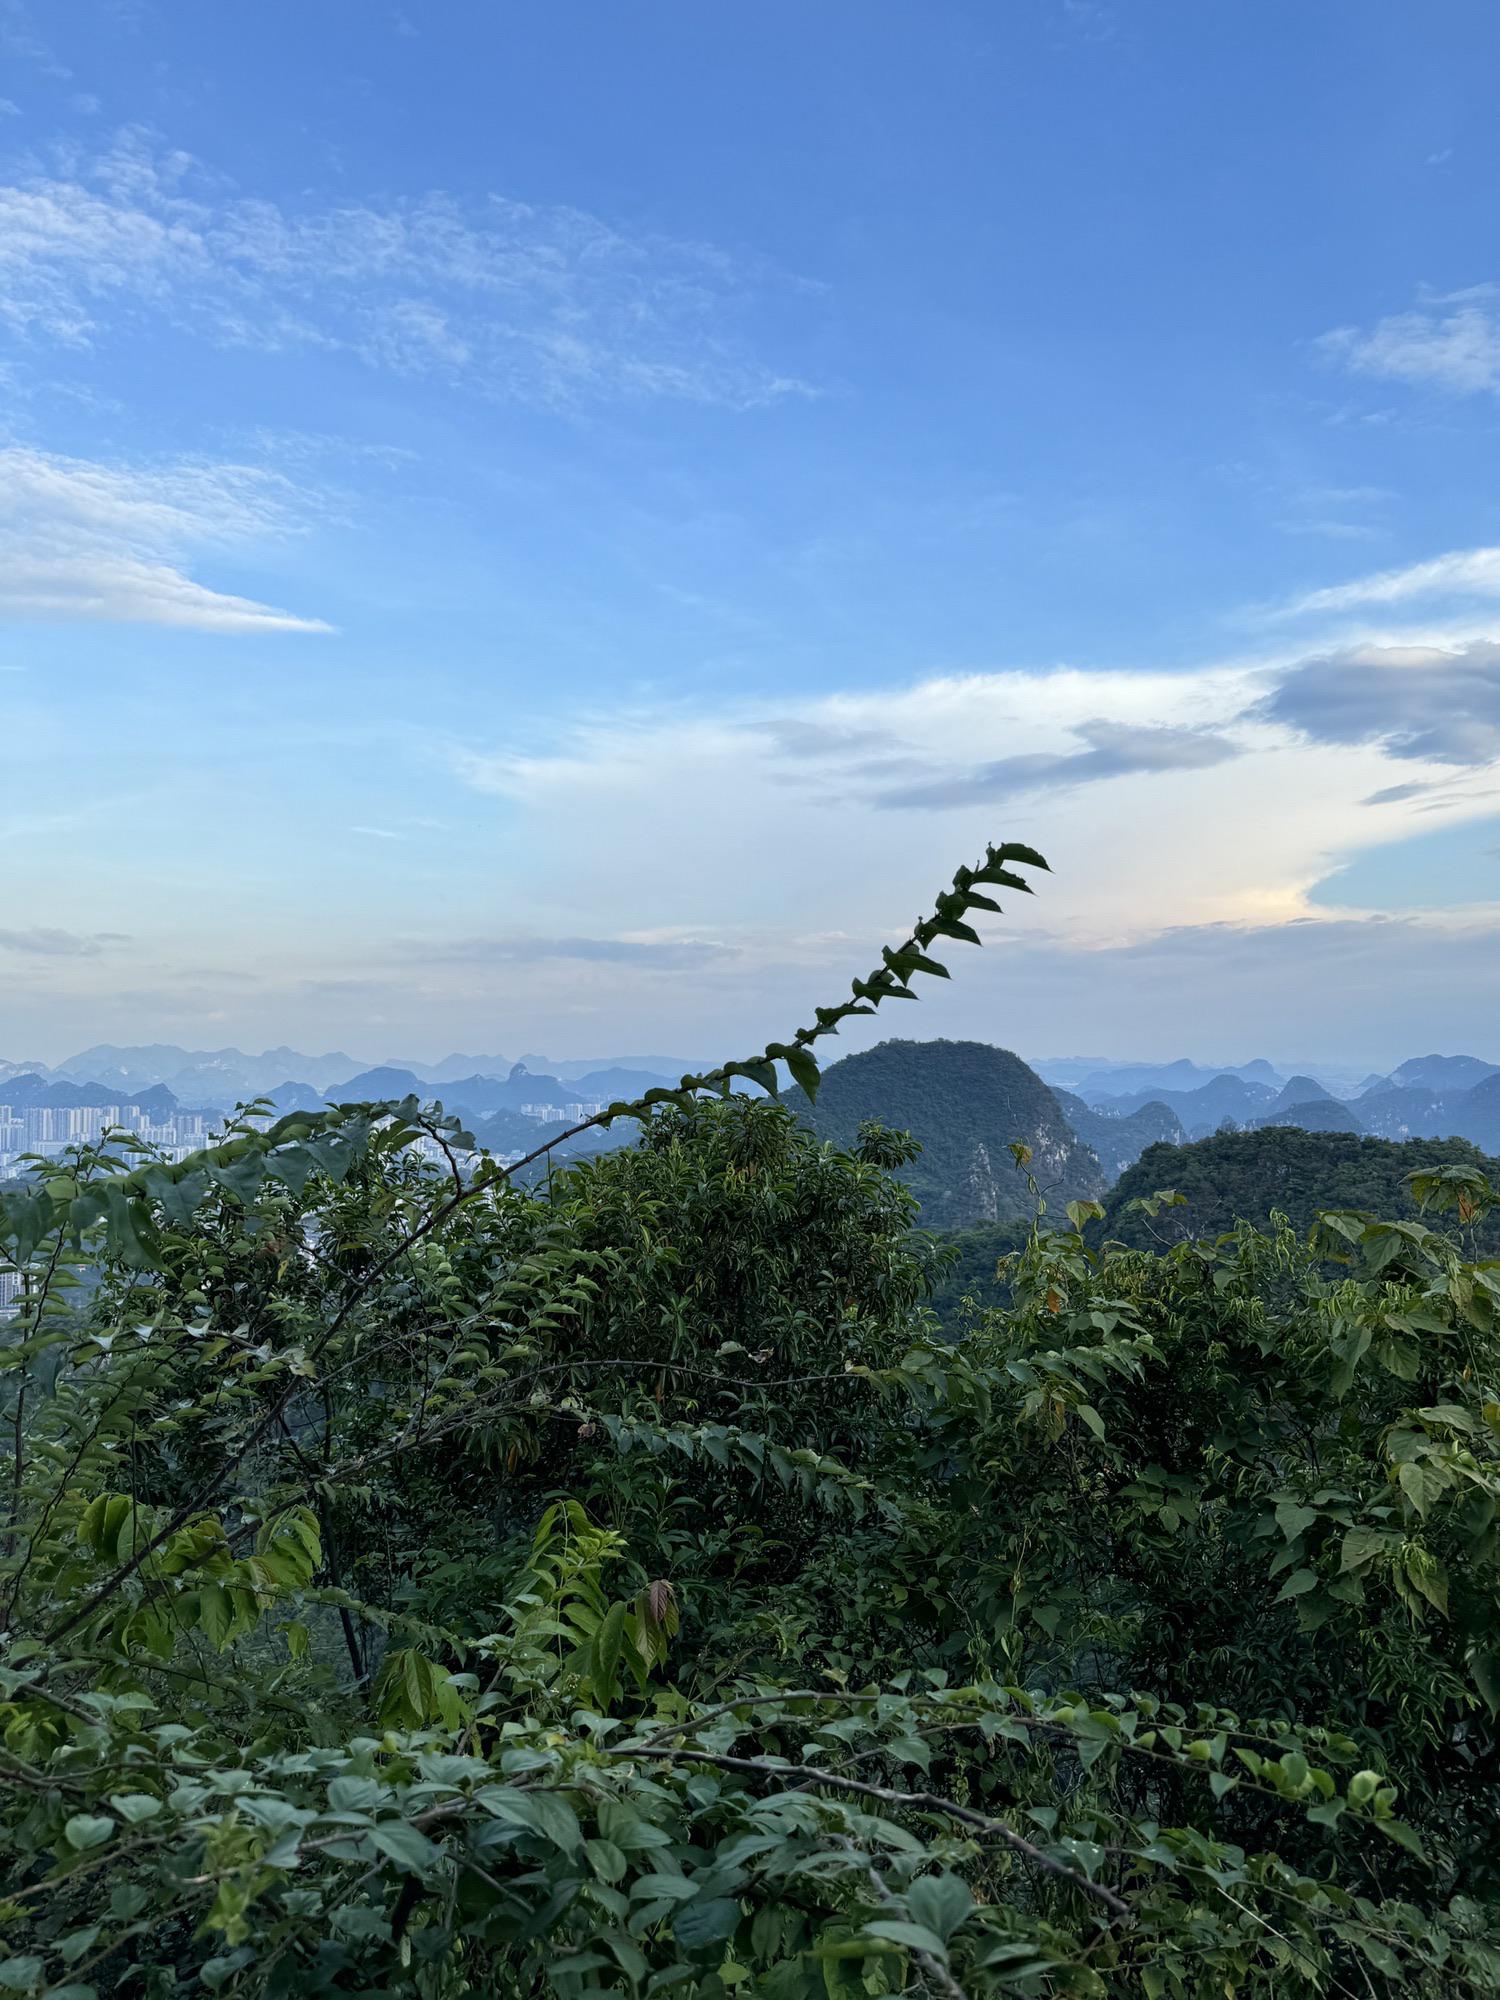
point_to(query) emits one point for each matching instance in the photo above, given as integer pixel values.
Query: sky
(536, 527)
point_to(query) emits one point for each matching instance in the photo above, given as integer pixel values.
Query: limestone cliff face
(966, 1102)
(983, 1195)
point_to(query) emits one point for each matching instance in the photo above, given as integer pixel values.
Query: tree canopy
(422, 1585)
(1278, 1170)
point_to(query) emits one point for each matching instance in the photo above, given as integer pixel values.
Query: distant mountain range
(966, 1102)
(1119, 1139)
(218, 1079)
(1435, 1096)
(1086, 1119)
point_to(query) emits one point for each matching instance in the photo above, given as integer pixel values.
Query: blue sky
(539, 527)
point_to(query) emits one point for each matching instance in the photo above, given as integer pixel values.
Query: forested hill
(965, 1102)
(1119, 1139)
(1246, 1175)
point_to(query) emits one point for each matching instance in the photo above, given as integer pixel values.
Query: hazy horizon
(862, 1037)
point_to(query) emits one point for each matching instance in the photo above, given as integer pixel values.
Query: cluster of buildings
(50, 1129)
(564, 1114)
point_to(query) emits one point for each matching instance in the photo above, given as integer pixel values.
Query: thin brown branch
(928, 1802)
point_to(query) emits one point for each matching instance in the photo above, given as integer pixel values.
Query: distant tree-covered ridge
(966, 1104)
(1248, 1176)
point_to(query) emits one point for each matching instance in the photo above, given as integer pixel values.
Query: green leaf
(803, 1065)
(626, 1828)
(1292, 1518)
(215, 1615)
(539, 1812)
(607, 1861)
(604, 1655)
(1299, 1581)
(135, 1806)
(916, 1937)
(1361, 1546)
(1016, 850)
(1380, 1955)
(708, 1921)
(86, 1830)
(1422, 1483)
(1403, 1835)
(1429, 1576)
(669, 1888)
(406, 1845)
(940, 1902)
(1363, 1786)
(351, 1793)
(1485, 1667)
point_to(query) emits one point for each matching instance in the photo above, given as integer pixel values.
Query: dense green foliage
(965, 1267)
(419, 1585)
(965, 1104)
(1250, 1176)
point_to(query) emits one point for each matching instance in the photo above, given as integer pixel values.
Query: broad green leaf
(406, 1845)
(706, 1921)
(941, 1902)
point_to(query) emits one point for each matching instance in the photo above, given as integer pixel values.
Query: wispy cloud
(20, 40)
(1450, 341)
(1111, 750)
(1100, 769)
(644, 954)
(1394, 795)
(542, 304)
(44, 942)
(91, 541)
(1461, 573)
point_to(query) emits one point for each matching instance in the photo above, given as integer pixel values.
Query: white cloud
(84, 540)
(1461, 573)
(546, 304)
(754, 839)
(715, 813)
(1451, 342)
